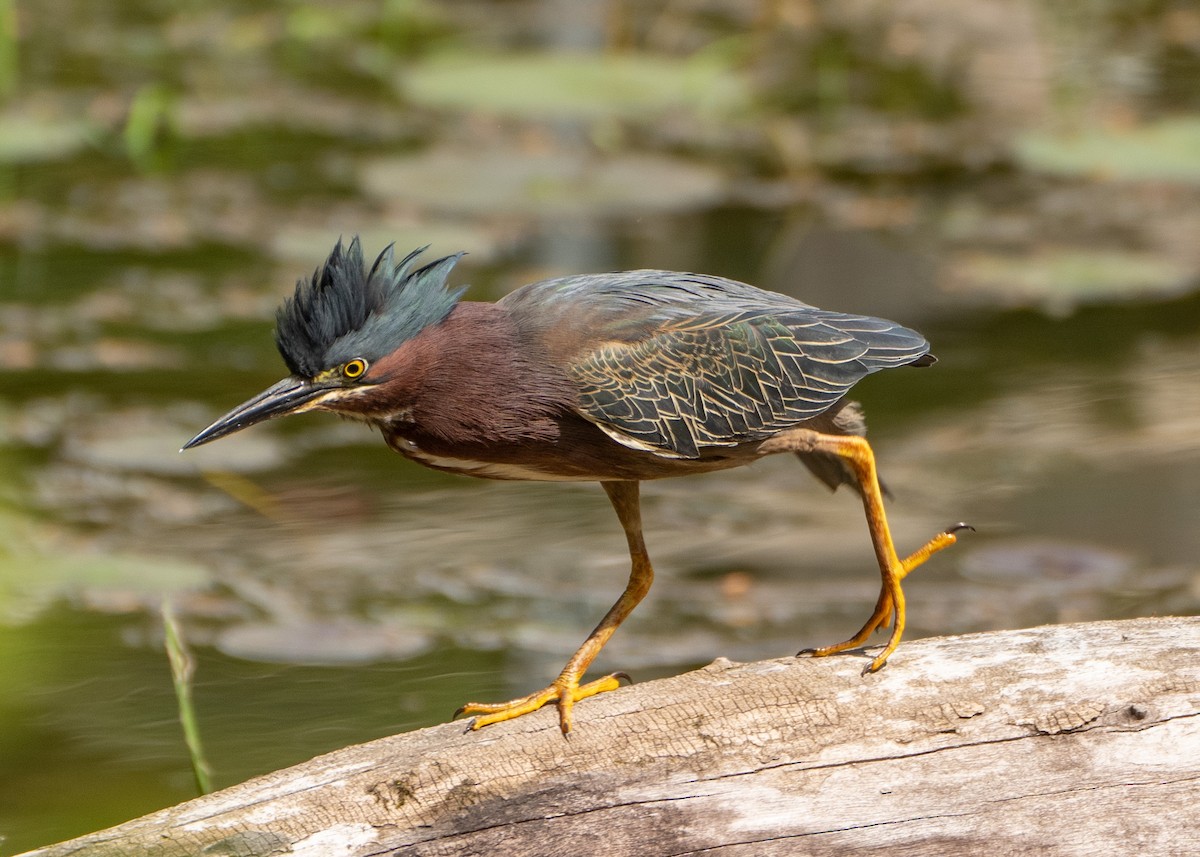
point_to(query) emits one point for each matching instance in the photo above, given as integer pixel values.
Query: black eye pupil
(354, 368)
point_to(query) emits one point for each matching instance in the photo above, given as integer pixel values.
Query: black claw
(954, 528)
(804, 652)
(458, 712)
(623, 675)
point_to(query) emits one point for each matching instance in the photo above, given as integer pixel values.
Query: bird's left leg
(566, 689)
(890, 607)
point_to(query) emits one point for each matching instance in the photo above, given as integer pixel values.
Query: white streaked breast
(469, 467)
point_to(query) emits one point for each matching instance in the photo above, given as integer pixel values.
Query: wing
(720, 380)
(674, 363)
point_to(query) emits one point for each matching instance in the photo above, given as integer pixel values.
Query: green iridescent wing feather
(678, 362)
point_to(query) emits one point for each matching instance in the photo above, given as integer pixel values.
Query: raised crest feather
(347, 310)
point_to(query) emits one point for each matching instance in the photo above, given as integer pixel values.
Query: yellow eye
(355, 368)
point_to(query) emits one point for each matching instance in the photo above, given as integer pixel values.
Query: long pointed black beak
(287, 397)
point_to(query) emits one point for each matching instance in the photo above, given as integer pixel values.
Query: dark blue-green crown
(347, 310)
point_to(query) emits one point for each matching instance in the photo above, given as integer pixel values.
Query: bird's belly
(479, 468)
(580, 453)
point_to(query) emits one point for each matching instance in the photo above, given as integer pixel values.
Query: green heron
(612, 378)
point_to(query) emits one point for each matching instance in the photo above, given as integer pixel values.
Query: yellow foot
(885, 612)
(565, 690)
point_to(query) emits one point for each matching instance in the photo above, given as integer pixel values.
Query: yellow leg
(566, 689)
(890, 606)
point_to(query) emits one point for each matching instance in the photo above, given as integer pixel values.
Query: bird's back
(675, 363)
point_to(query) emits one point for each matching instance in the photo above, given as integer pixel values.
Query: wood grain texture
(1062, 740)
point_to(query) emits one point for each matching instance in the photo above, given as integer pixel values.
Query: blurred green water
(333, 593)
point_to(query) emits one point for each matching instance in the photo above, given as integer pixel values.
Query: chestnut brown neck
(470, 380)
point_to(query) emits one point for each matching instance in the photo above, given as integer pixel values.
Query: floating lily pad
(303, 248)
(580, 86)
(1059, 279)
(32, 579)
(1167, 150)
(139, 441)
(1059, 565)
(501, 182)
(26, 139)
(339, 641)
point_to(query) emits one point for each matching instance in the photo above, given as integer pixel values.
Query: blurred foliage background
(1019, 179)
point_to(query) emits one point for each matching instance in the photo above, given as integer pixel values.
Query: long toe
(497, 712)
(883, 615)
(566, 693)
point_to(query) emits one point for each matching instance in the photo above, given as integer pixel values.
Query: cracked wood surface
(1067, 739)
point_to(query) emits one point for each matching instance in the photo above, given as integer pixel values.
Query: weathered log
(1069, 739)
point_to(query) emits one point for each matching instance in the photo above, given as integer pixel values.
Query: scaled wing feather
(722, 379)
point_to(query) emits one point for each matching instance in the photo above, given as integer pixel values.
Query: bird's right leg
(890, 606)
(566, 689)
